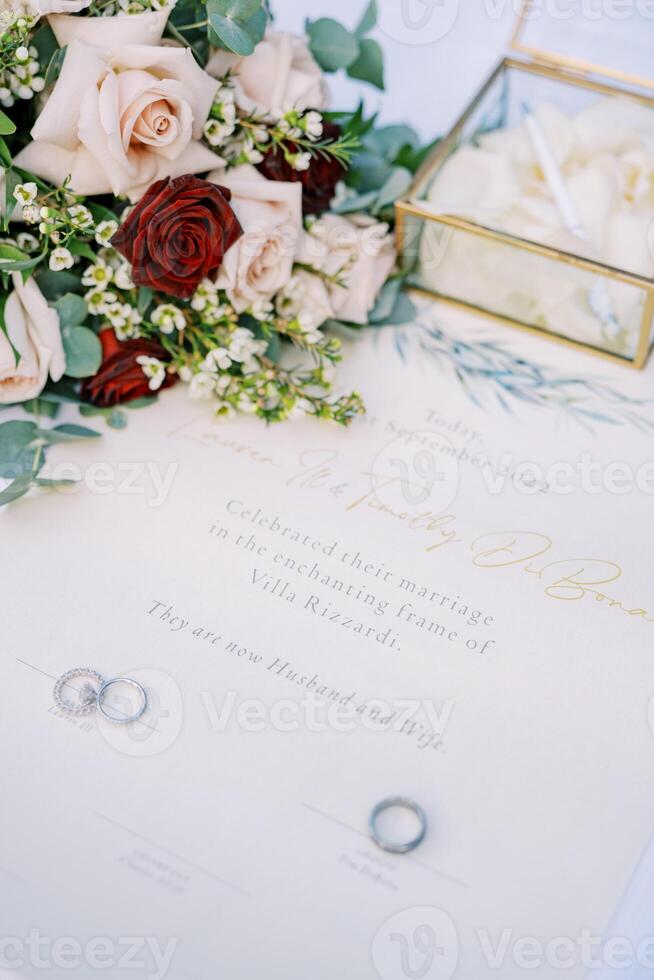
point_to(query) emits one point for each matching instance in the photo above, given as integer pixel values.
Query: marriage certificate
(451, 601)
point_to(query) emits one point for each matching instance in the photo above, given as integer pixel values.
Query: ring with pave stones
(91, 698)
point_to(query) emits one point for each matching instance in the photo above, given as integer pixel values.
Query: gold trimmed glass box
(466, 234)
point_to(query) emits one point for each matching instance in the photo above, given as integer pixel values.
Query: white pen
(598, 297)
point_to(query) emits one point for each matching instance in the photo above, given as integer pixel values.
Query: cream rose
(106, 32)
(44, 7)
(260, 263)
(120, 118)
(33, 330)
(280, 74)
(357, 251)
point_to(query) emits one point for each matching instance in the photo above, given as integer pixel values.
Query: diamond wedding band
(91, 698)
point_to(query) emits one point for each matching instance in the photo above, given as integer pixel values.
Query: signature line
(167, 850)
(405, 857)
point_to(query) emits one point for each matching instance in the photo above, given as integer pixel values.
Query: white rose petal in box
(538, 207)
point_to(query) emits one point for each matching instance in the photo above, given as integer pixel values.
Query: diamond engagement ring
(91, 691)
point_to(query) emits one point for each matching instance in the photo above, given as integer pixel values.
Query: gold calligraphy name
(567, 579)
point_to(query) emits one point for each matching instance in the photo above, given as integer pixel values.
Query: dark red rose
(318, 182)
(120, 377)
(177, 234)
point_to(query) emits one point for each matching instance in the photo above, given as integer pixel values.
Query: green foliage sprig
(335, 47)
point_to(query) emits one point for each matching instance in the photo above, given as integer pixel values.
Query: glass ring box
(538, 207)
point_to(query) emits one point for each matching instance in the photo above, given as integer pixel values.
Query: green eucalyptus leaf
(81, 248)
(273, 350)
(388, 141)
(354, 202)
(235, 9)
(332, 45)
(3, 327)
(41, 406)
(144, 402)
(54, 66)
(82, 347)
(44, 41)
(16, 448)
(12, 259)
(67, 433)
(71, 310)
(7, 127)
(17, 489)
(238, 25)
(144, 299)
(55, 284)
(369, 171)
(368, 21)
(386, 300)
(5, 155)
(397, 184)
(403, 312)
(369, 66)
(12, 180)
(256, 25)
(64, 391)
(100, 212)
(116, 419)
(231, 35)
(348, 331)
(83, 351)
(44, 482)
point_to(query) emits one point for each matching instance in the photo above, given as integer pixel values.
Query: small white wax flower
(104, 231)
(251, 153)
(202, 386)
(60, 258)
(313, 125)
(27, 242)
(306, 321)
(215, 132)
(245, 405)
(301, 408)
(123, 276)
(31, 214)
(99, 302)
(22, 54)
(299, 161)
(217, 359)
(168, 317)
(154, 371)
(261, 309)
(80, 216)
(25, 194)
(205, 295)
(98, 275)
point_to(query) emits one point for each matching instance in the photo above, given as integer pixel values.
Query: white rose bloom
(33, 329)
(145, 28)
(119, 119)
(359, 251)
(44, 7)
(260, 263)
(280, 74)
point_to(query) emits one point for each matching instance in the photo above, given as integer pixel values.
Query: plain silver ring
(406, 804)
(128, 718)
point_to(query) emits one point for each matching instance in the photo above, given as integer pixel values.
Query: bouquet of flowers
(180, 203)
